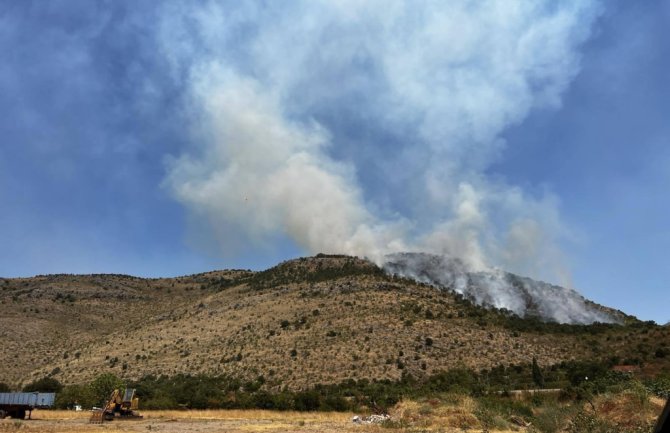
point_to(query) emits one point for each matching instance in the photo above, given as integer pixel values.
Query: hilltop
(320, 319)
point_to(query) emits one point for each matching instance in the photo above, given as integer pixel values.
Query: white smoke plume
(494, 287)
(367, 128)
(264, 174)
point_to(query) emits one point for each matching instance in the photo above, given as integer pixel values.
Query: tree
(538, 377)
(72, 395)
(46, 384)
(103, 386)
(4, 387)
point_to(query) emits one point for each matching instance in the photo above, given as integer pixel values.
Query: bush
(46, 384)
(506, 407)
(491, 419)
(307, 401)
(103, 386)
(659, 386)
(160, 402)
(455, 380)
(553, 418)
(72, 395)
(585, 422)
(581, 371)
(334, 403)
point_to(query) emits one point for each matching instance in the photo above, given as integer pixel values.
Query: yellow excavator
(122, 406)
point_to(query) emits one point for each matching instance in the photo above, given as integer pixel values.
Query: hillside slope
(313, 320)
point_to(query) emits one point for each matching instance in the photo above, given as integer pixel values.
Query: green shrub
(46, 384)
(585, 422)
(506, 407)
(103, 386)
(659, 386)
(553, 418)
(307, 401)
(72, 395)
(490, 419)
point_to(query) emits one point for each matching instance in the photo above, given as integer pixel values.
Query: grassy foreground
(630, 410)
(625, 412)
(200, 421)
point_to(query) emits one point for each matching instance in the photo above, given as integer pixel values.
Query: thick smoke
(500, 289)
(265, 174)
(367, 128)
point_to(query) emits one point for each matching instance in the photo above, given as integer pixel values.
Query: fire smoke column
(262, 174)
(277, 89)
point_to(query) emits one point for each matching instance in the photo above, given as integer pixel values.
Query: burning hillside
(500, 289)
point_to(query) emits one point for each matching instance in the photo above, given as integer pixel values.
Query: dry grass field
(624, 412)
(185, 422)
(211, 421)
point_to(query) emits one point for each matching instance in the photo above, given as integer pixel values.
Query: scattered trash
(519, 421)
(372, 419)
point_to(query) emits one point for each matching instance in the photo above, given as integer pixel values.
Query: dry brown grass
(195, 421)
(629, 410)
(458, 413)
(59, 415)
(247, 414)
(369, 326)
(450, 414)
(363, 326)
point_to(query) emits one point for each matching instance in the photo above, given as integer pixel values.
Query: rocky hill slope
(313, 320)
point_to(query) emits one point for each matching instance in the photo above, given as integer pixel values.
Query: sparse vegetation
(324, 333)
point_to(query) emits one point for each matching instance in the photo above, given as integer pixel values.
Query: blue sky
(173, 138)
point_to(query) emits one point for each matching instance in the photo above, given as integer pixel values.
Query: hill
(312, 320)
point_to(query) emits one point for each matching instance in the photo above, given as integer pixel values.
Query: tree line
(186, 391)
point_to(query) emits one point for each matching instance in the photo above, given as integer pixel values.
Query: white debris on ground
(372, 419)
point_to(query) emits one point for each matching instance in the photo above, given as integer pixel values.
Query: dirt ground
(195, 422)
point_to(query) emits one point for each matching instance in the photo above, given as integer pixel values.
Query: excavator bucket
(96, 416)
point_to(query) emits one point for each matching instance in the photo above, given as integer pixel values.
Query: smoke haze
(496, 288)
(367, 128)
